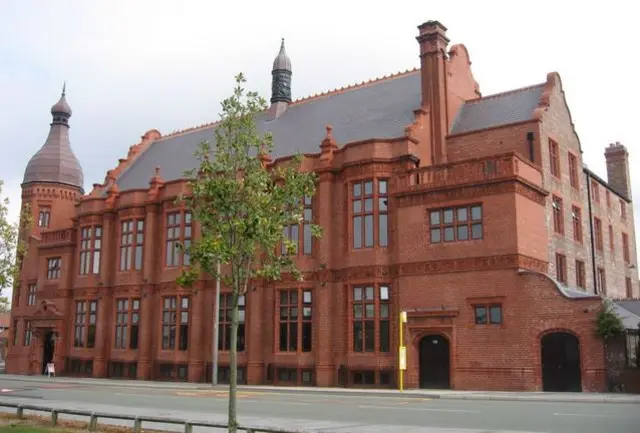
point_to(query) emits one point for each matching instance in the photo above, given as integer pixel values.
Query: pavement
(313, 409)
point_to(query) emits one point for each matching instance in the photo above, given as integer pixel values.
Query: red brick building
(474, 214)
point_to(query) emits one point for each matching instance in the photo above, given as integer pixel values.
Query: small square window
(495, 314)
(481, 315)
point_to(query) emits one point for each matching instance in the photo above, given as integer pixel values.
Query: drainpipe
(593, 240)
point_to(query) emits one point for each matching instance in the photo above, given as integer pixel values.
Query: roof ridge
(354, 86)
(505, 93)
(177, 132)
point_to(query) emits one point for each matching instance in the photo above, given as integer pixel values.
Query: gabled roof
(496, 110)
(380, 109)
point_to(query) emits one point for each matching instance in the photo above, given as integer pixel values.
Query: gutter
(593, 240)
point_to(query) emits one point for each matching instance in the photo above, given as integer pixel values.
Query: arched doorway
(48, 345)
(434, 362)
(560, 356)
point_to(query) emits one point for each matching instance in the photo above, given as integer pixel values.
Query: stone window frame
(304, 243)
(380, 299)
(44, 216)
(626, 252)
(54, 267)
(574, 178)
(294, 312)
(557, 206)
(178, 228)
(576, 219)
(28, 333)
(32, 288)
(554, 159)
(623, 210)
(85, 323)
(581, 274)
(442, 223)
(595, 190)
(597, 228)
(131, 244)
(175, 313)
(90, 249)
(601, 281)
(628, 287)
(488, 318)
(561, 268)
(127, 322)
(224, 325)
(611, 239)
(359, 212)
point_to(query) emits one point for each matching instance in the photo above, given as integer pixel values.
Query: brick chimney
(433, 48)
(617, 159)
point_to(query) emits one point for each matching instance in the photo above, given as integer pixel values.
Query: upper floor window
(295, 329)
(611, 244)
(597, 228)
(291, 232)
(224, 329)
(488, 314)
(608, 195)
(554, 158)
(31, 294)
(90, 245)
(371, 314)
(558, 215)
(85, 324)
(456, 224)
(573, 170)
(53, 268)
(625, 248)
(131, 244)
(628, 287)
(576, 215)
(172, 312)
(44, 216)
(28, 333)
(127, 323)
(595, 190)
(369, 204)
(178, 226)
(561, 268)
(601, 281)
(623, 210)
(581, 275)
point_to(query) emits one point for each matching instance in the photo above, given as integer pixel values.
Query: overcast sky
(131, 66)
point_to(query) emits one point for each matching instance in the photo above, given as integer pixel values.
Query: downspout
(593, 240)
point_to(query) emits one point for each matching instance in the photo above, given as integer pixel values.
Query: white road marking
(6, 390)
(418, 409)
(593, 415)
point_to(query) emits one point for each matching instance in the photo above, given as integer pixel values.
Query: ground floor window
(224, 374)
(79, 367)
(123, 370)
(632, 341)
(366, 378)
(167, 371)
(290, 375)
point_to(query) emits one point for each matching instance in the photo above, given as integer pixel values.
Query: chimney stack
(618, 177)
(433, 70)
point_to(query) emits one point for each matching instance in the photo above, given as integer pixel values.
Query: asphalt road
(339, 413)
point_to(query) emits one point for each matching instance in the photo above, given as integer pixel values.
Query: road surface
(330, 412)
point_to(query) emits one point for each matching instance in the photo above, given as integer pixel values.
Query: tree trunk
(233, 361)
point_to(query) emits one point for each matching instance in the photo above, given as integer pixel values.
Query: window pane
(357, 336)
(382, 230)
(481, 315)
(448, 234)
(384, 336)
(306, 313)
(284, 313)
(463, 233)
(306, 337)
(369, 336)
(435, 236)
(185, 302)
(284, 297)
(293, 297)
(495, 314)
(435, 218)
(476, 231)
(384, 293)
(384, 311)
(357, 293)
(184, 317)
(283, 336)
(357, 311)
(369, 310)
(357, 232)
(357, 189)
(382, 204)
(368, 231)
(357, 206)
(369, 294)
(476, 213)
(306, 297)
(462, 214)
(368, 187)
(368, 205)
(448, 216)
(382, 186)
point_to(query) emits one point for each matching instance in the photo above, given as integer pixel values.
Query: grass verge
(10, 423)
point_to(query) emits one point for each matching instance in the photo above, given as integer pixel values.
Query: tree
(13, 249)
(243, 206)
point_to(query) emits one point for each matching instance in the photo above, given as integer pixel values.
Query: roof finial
(64, 88)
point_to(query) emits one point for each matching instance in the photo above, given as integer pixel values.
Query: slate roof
(629, 311)
(381, 109)
(378, 110)
(501, 109)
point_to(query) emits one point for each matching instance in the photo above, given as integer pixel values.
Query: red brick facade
(457, 229)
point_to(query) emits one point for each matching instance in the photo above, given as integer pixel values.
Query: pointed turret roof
(282, 61)
(55, 162)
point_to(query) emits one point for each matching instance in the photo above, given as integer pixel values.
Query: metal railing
(138, 420)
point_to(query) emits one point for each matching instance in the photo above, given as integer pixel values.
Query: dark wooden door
(560, 355)
(434, 362)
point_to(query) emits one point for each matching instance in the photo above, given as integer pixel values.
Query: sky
(131, 66)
